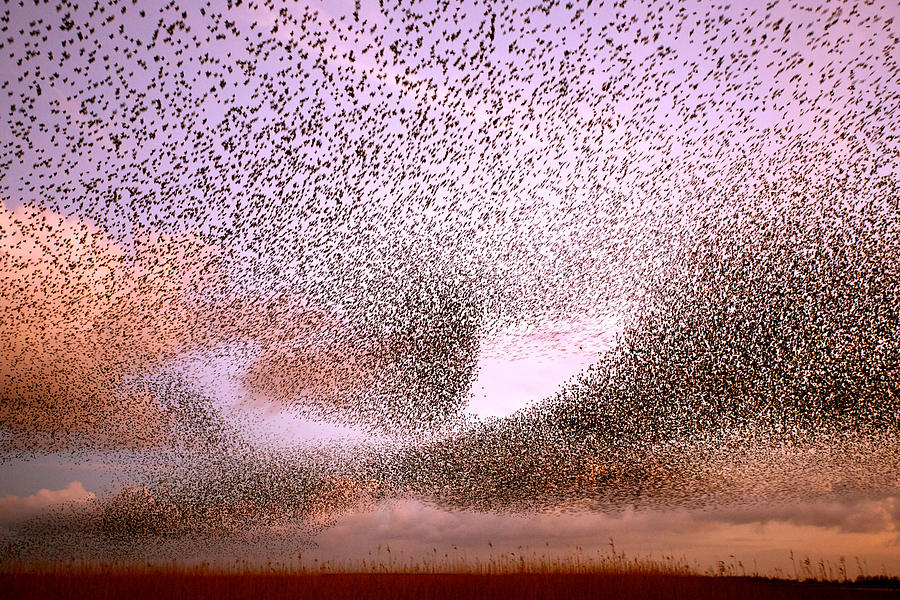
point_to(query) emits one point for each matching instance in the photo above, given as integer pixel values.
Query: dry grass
(611, 576)
(361, 586)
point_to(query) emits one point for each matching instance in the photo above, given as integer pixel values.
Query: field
(637, 581)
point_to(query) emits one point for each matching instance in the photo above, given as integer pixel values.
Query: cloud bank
(16, 509)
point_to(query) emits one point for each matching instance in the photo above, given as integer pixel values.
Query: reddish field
(173, 583)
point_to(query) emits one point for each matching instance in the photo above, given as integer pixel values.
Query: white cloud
(18, 508)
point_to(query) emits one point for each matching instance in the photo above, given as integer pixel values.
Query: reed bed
(611, 575)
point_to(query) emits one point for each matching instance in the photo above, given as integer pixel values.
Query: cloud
(415, 524)
(414, 530)
(862, 515)
(14, 509)
(79, 313)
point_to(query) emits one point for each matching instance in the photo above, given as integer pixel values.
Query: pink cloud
(766, 538)
(79, 312)
(19, 508)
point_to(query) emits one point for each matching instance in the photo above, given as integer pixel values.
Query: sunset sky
(323, 277)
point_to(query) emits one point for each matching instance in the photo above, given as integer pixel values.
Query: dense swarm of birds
(341, 204)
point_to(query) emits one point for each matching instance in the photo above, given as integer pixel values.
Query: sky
(434, 274)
